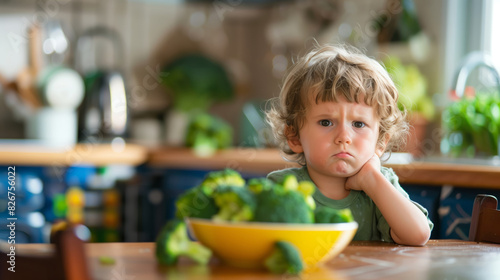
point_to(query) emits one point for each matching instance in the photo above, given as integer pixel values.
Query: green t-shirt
(372, 225)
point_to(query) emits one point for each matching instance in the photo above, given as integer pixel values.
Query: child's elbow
(421, 237)
(416, 238)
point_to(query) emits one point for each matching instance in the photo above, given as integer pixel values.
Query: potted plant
(194, 83)
(472, 126)
(412, 88)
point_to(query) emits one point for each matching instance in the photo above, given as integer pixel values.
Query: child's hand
(408, 224)
(365, 176)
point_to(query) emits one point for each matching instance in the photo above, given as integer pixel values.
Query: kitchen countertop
(262, 161)
(431, 171)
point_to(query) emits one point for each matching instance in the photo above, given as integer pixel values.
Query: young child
(336, 115)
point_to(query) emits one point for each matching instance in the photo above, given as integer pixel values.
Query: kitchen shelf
(247, 160)
(80, 154)
(263, 161)
(458, 175)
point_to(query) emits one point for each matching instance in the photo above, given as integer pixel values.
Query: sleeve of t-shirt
(382, 224)
(276, 176)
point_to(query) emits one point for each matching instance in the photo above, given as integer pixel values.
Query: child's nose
(343, 136)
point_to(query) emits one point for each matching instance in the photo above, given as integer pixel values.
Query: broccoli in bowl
(261, 223)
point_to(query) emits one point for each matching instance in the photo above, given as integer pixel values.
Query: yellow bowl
(246, 244)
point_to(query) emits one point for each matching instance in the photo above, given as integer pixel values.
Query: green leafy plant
(472, 126)
(412, 87)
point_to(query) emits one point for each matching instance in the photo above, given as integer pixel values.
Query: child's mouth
(343, 155)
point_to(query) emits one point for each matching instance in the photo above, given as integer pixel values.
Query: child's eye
(325, 123)
(357, 124)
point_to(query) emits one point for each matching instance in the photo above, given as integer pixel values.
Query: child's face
(337, 138)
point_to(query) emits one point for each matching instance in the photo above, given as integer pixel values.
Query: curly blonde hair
(329, 72)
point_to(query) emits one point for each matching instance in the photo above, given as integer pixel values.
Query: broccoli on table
(173, 242)
(106, 260)
(235, 203)
(330, 215)
(226, 177)
(284, 259)
(196, 204)
(278, 205)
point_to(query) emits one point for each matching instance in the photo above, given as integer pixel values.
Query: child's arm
(408, 224)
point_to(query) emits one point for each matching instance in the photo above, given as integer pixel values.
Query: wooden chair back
(485, 224)
(67, 262)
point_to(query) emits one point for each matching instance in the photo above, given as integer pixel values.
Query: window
(493, 32)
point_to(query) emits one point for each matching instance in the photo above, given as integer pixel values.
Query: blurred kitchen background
(255, 42)
(160, 73)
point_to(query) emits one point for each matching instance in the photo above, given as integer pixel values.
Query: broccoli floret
(284, 259)
(278, 205)
(226, 177)
(330, 215)
(195, 203)
(204, 146)
(290, 182)
(207, 133)
(173, 242)
(257, 185)
(198, 202)
(235, 203)
(307, 189)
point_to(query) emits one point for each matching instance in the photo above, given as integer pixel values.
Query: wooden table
(439, 259)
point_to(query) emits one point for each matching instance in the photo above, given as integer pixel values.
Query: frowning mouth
(343, 155)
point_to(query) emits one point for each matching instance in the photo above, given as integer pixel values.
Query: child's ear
(293, 140)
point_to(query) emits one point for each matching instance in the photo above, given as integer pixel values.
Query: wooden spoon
(26, 80)
(25, 83)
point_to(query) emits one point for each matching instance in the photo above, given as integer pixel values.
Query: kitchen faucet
(472, 61)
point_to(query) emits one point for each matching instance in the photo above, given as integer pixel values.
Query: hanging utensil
(25, 83)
